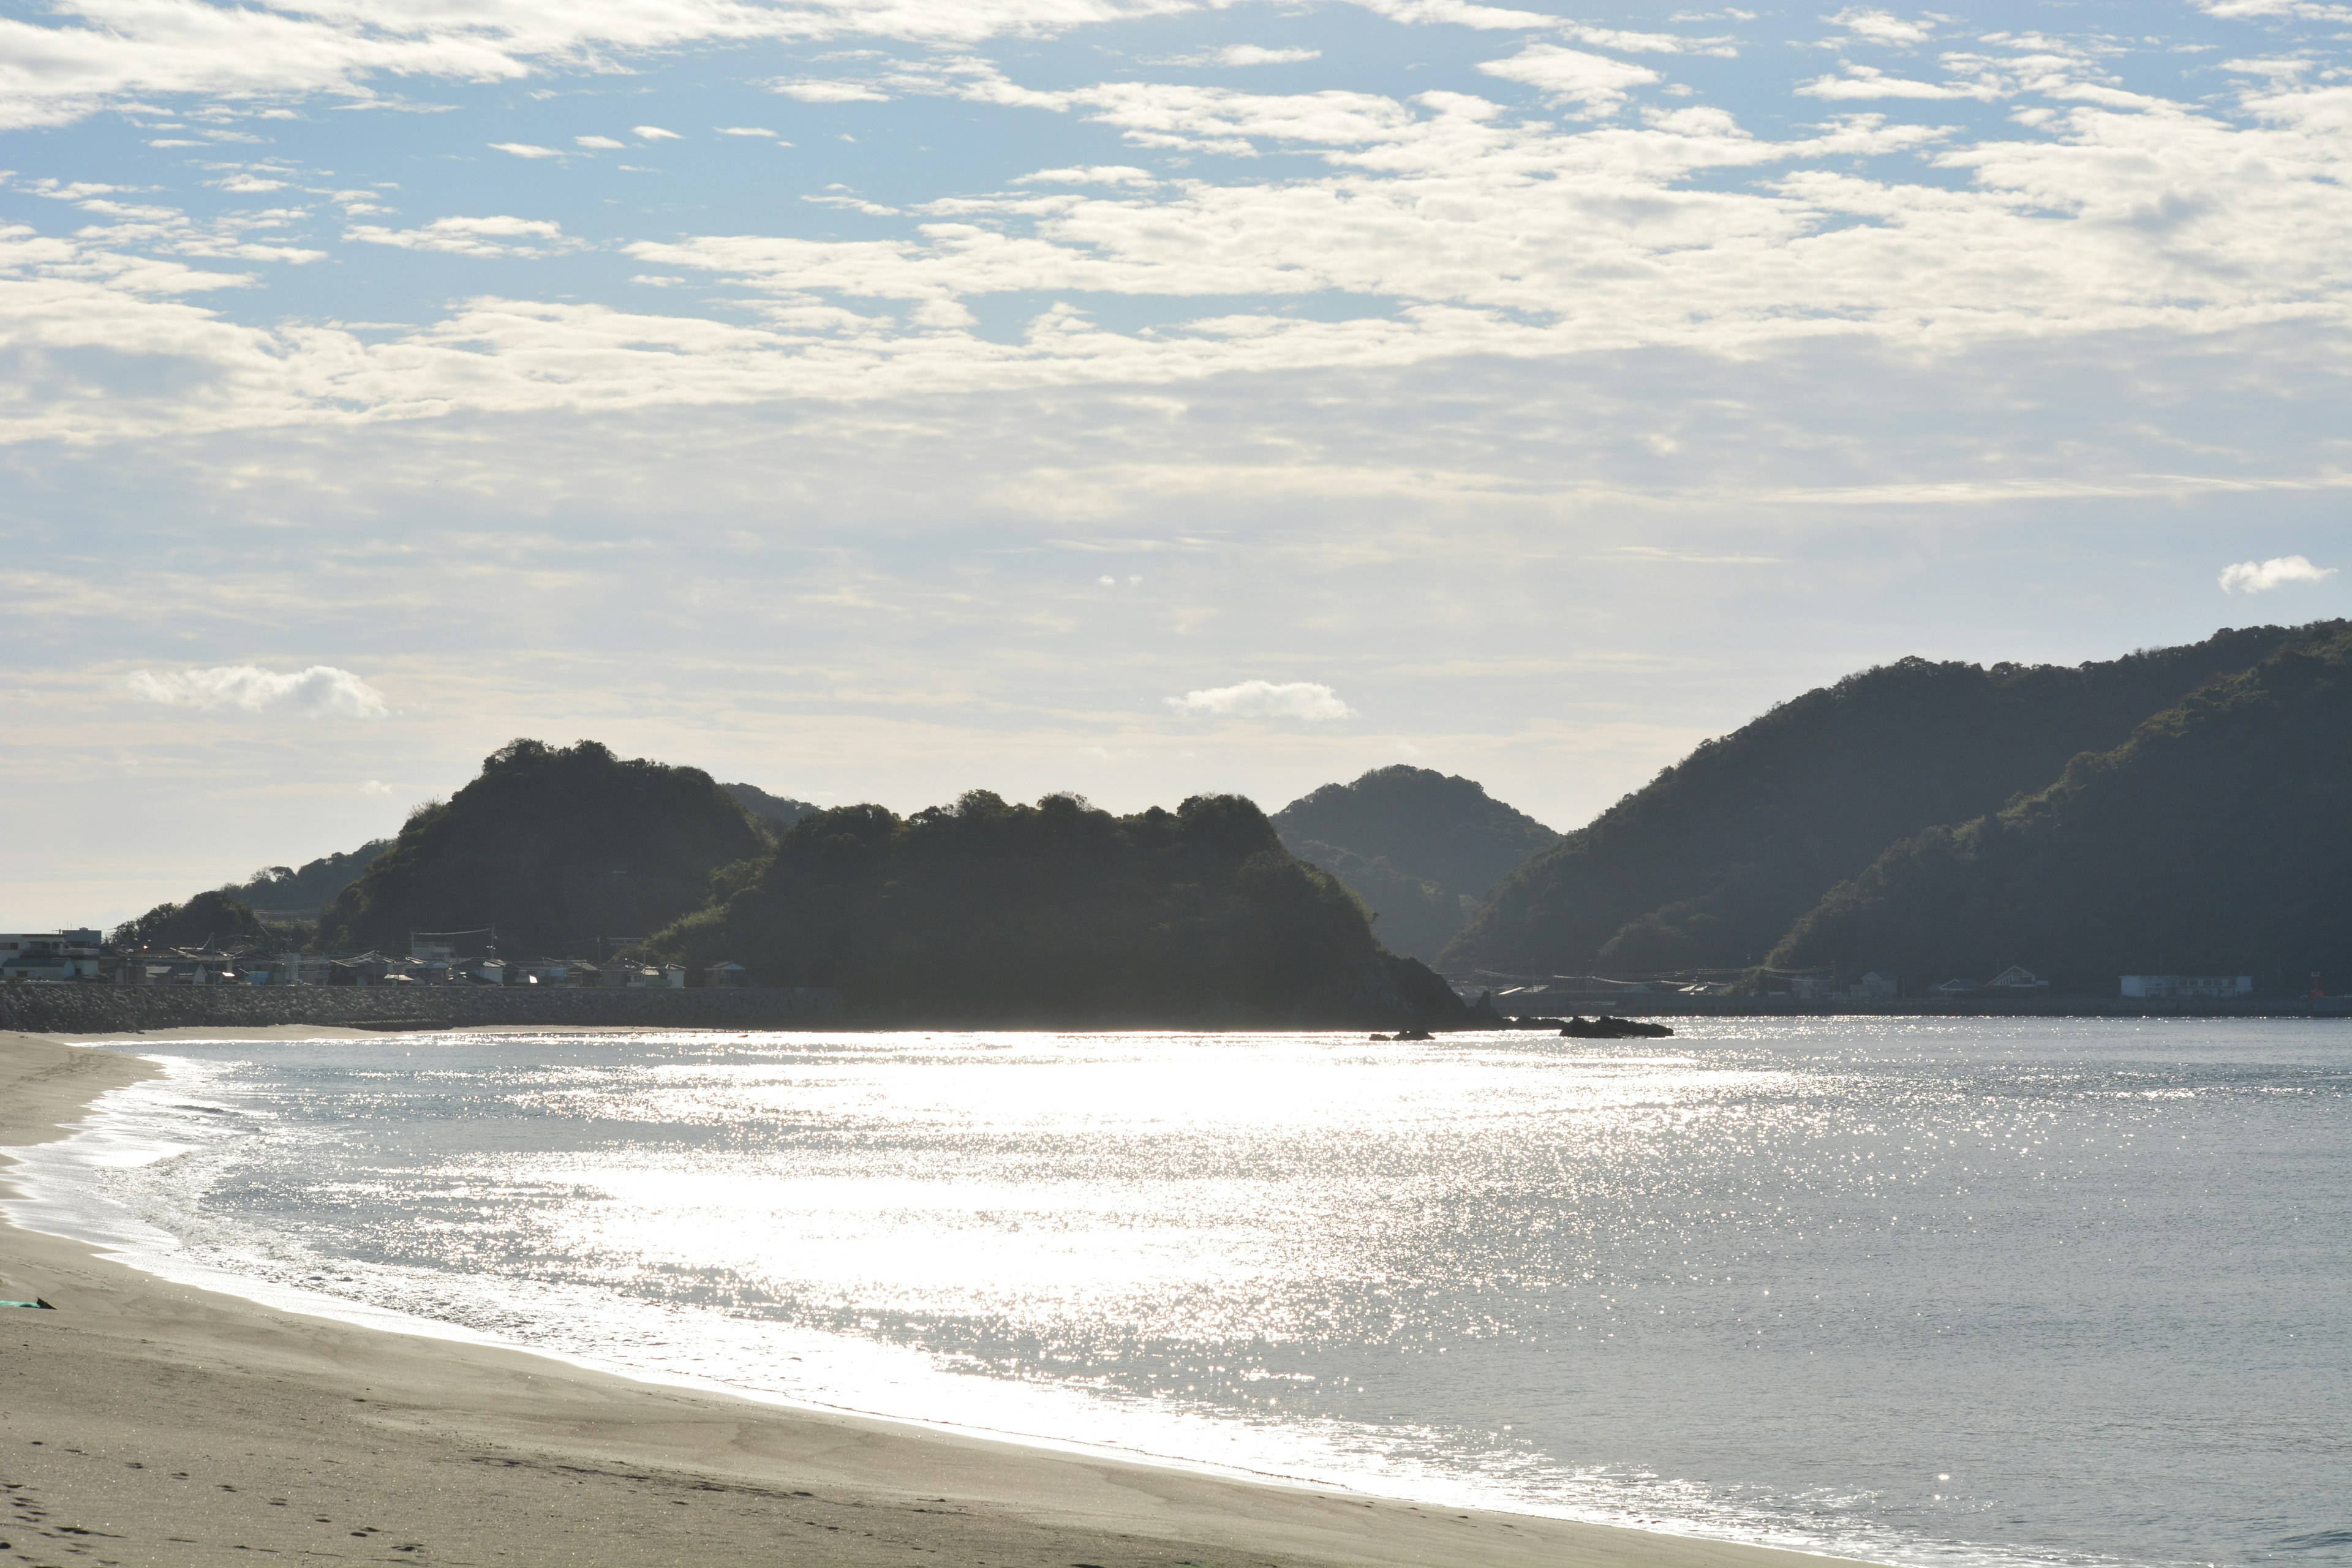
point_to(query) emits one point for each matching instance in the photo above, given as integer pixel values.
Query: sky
(877, 399)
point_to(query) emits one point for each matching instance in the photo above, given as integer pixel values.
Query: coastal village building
(2156, 986)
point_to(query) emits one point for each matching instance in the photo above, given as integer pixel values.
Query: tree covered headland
(555, 847)
(1058, 913)
(1418, 847)
(2214, 840)
(217, 920)
(1713, 862)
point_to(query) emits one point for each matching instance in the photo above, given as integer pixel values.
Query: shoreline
(150, 1422)
(91, 1011)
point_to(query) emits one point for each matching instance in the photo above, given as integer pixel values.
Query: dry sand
(144, 1422)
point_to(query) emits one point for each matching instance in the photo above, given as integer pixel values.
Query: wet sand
(144, 1422)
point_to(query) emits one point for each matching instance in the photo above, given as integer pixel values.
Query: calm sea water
(1927, 1292)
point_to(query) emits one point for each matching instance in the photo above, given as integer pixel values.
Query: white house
(2017, 977)
(1876, 986)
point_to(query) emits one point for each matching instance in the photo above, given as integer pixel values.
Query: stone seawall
(55, 1009)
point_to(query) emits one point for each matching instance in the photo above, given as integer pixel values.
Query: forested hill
(1058, 913)
(299, 892)
(1418, 847)
(2212, 841)
(777, 811)
(555, 848)
(1713, 861)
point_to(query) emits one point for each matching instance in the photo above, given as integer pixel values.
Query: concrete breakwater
(127, 1009)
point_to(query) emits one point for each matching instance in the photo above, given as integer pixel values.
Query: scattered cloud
(600, 143)
(470, 237)
(830, 92)
(1865, 82)
(1654, 43)
(653, 133)
(2261, 576)
(1570, 76)
(1871, 26)
(319, 691)
(1245, 55)
(1265, 699)
(1091, 175)
(745, 131)
(525, 150)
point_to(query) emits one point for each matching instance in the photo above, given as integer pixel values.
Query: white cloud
(653, 133)
(319, 691)
(2261, 576)
(1247, 54)
(525, 150)
(1265, 699)
(121, 52)
(1875, 27)
(497, 235)
(830, 92)
(1654, 43)
(1570, 76)
(1091, 175)
(1865, 83)
(600, 143)
(745, 131)
(2298, 10)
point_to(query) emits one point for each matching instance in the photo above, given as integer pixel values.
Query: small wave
(2315, 1541)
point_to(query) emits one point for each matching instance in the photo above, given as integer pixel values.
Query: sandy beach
(143, 1422)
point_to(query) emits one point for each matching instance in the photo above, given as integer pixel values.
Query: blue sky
(879, 398)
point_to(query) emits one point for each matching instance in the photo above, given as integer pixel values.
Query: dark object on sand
(1404, 1035)
(1605, 1028)
(36, 1302)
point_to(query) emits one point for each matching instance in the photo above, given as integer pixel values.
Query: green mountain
(1418, 847)
(554, 848)
(217, 920)
(1711, 863)
(298, 892)
(2212, 841)
(775, 810)
(1056, 913)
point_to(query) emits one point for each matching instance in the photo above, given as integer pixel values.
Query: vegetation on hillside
(217, 920)
(1418, 847)
(1056, 912)
(301, 890)
(1711, 863)
(2212, 841)
(555, 847)
(777, 811)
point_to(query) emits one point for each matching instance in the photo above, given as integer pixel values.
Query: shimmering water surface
(1922, 1291)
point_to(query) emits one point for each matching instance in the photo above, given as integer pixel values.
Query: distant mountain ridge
(1418, 847)
(2212, 840)
(776, 810)
(299, 892)
(1714, 861)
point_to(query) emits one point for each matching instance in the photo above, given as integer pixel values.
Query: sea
(1950, 1292)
